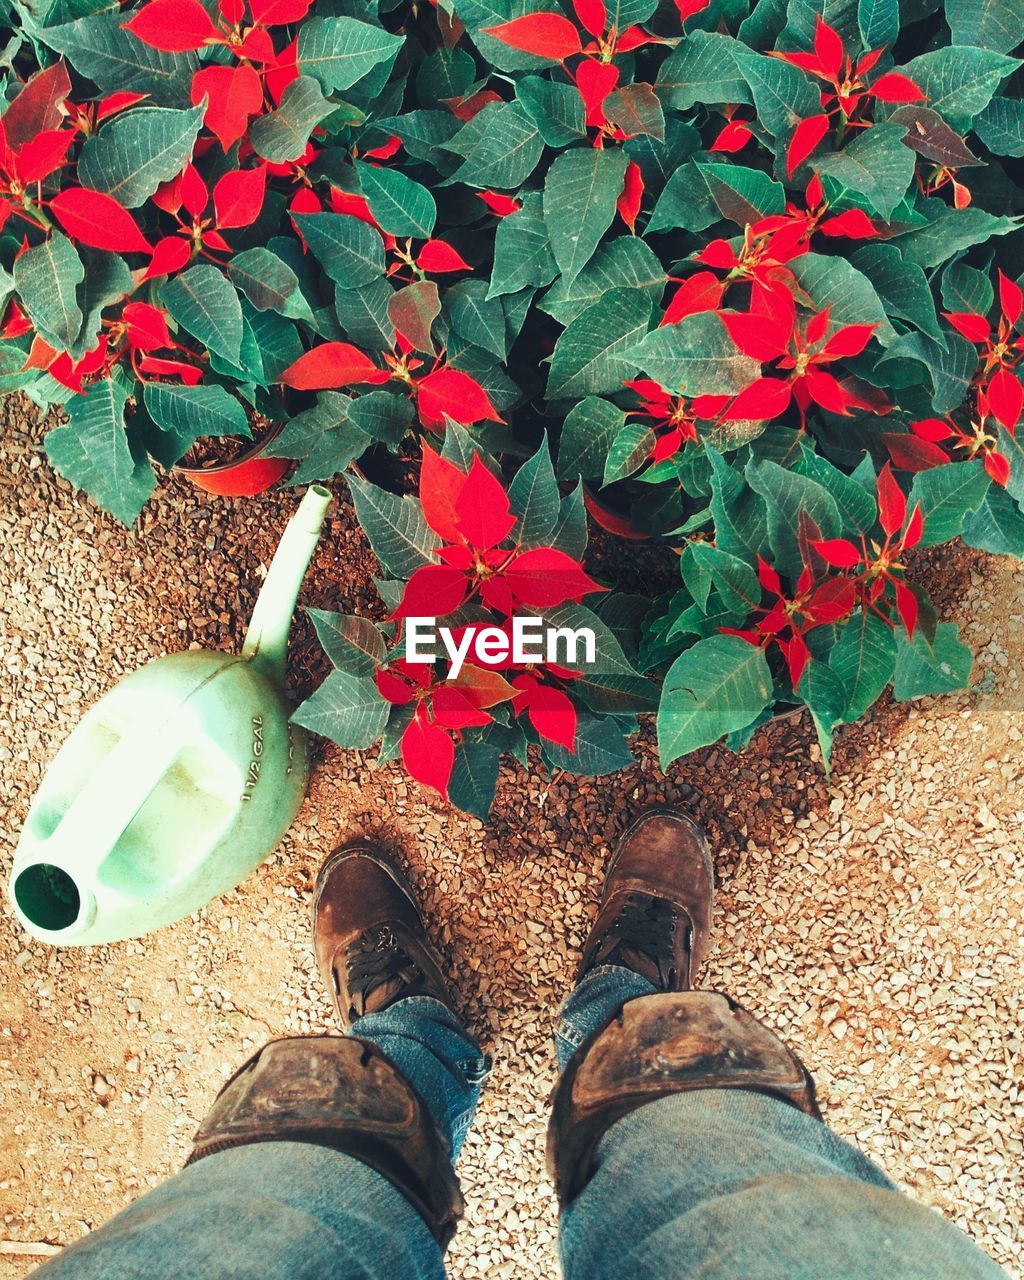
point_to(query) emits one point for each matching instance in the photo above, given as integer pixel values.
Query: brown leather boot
(371, 946)
(655, 912)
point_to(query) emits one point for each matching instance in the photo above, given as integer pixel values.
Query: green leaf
(535, 501)
(382, 416)
(695, 357)
(108, 279)
(587, 433)
(46, 279)
(400, 537)
(500, 147)
(282, 135)
(347, 709)
(786, 495)
(685, 202)
(474, 776)
(717, 686)
(997, 525)
(628, 452)
(948, 231)
(626, 263)
(732, 577)
(401, 206)
(570, 531)
(782, 94)
(477, 319)
(353, 644)
(134, 153)
(878, 22)
(331, 454)
(876, 164)
(205, 302)
(601, 749)
(348, 249)
(965, 288)
(947, 495)
(92, 452)
(701, 68)
(823, 692)
(742, 195)
(959, 82)
(595, 353)
(522, 253)
(580, 192)
(833, 282)
(923, 669)
(1001, 126)
(741, 525)
(363, 313)
(556, 109)
(101, 50)
(986, 24)
(901, 286)
(340, 51)
(189, 413)
(1012, 448)
(635, 109)
(863, 658)
(857, 507)
(269, 283)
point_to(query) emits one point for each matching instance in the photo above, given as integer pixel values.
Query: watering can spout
(266, 641)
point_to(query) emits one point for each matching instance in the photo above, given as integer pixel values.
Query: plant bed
(743, 275)
(234, 467)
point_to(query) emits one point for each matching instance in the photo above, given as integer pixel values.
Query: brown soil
(217, 451)
(874, 918)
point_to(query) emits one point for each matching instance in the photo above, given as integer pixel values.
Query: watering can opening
(47, 896)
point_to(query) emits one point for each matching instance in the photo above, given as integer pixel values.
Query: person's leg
(366, 1191)
(717, 1182)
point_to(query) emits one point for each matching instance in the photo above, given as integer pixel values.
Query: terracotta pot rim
(220, 468)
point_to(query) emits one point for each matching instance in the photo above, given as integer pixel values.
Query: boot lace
(380, 962)
(646, 926)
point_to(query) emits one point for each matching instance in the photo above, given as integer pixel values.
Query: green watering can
(176, 784)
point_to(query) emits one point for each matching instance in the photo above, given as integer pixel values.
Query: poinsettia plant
(745, 273)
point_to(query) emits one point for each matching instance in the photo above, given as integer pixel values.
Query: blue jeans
(717, 1184)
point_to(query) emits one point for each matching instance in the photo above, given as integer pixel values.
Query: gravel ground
(876, 920)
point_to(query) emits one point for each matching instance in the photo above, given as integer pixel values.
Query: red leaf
(233, 96)
(763, 399)
(188, 373)
(796, 653)
(428, 753)
(452, 392)
(545, 577)
(892, 505)
(279, 72)
(628, 203)
(915, 527)
(806, 136)
(997, 467)
(146, 326)
(911, 454)
(893, 87)
(546, 35)
(933, 429)
(826, 391)
(973, 327)
(436, 257)
(755, 335)
(906, 606)
(1011, 299)
(553, 715)
(592, 15)
(849, 341)
(734, 137)
(275, 13)
(1005, 397)
(174, 26)
(97, 220)
(36, 107)
(467, 108)
(332, 364)
(170, 255)
(432, 591)
(482, 509)
(194, 195)
(839, 552)
(854, 223)
(47, 151)
(501, 206)
(832, 600)
(393, 689)
(701, 292)
(687, 8)
(386, 150)
(828, 45)
(115, 102)
(595, 81)
(238, 197)
(453, 709)
(441, 482)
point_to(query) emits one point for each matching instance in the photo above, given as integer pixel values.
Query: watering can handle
(113, 795)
